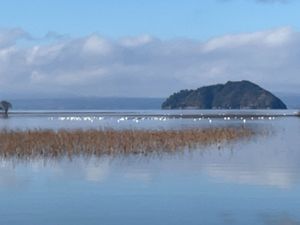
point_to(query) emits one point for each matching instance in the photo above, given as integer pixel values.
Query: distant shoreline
(109, 103)
(184, 114)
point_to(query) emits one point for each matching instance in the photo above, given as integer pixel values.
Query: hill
(232, 95)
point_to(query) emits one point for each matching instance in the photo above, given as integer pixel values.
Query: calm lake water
(254, 181)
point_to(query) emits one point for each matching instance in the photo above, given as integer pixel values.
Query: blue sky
(146, 48)
(164, 19)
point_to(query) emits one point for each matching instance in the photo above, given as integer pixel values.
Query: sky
(139, 48)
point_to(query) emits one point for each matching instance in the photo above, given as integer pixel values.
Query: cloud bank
(143, 65)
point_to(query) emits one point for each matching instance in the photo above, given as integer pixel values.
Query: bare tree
(5, 105)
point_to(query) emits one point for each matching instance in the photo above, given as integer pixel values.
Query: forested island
(232, 95)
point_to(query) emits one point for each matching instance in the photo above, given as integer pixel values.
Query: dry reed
(49, 143)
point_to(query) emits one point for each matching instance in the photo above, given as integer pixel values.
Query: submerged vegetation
(49, 143)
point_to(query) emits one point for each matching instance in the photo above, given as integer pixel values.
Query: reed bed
(49, 143)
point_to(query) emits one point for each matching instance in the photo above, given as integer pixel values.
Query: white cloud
(96, 45)
(146, 66)
(136, 41)
(9, 37)
(271, 38)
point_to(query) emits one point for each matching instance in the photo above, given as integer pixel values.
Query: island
(232, 95)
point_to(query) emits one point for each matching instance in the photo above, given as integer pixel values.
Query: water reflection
(280, 219)
(249, 182)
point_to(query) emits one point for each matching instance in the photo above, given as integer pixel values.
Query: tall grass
(49, 143)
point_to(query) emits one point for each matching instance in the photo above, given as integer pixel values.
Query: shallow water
(253, 181)
(135, 119)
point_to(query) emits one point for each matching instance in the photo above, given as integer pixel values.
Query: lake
(253, 181)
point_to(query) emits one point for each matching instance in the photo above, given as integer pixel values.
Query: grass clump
(49, 143)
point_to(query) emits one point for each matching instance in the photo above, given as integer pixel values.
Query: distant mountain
(87, 103)
(232, 95)
(292, 100)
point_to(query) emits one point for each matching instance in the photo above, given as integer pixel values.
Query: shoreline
(150, 114)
